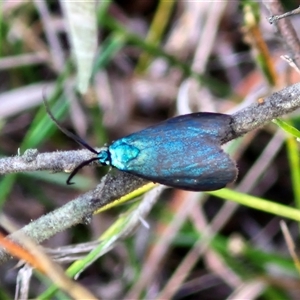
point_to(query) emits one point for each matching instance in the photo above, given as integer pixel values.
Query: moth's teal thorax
(120, 154)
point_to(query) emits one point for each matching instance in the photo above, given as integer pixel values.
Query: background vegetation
(148, 60)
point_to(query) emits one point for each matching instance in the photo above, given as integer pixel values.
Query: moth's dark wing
(212, 125)
(182, 152)
(198, 166)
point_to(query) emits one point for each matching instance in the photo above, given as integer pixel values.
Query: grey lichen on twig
(264, 111)
(31, 160)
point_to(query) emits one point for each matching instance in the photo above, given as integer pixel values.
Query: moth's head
(104, 156)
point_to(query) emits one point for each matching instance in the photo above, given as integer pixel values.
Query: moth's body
(183, 152)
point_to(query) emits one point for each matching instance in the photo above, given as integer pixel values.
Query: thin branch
(31, 160)
(275, 18)
(264, 111)
(286, 30)
(80, 210)
(245, 120)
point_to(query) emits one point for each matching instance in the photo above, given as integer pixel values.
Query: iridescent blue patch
(183, 152)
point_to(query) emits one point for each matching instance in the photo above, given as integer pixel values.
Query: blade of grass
(293, 156)
(258, 203)
(156, 31)
(37, 133)
(112, 45)
(287, 128)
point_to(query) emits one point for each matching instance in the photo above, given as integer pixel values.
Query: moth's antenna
(74, 172)
(68, 133)
(73, 137)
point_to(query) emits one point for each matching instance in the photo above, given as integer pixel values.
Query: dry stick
(286, 31)
(37, 258)
(275, 18)
(31, 160)
(116, 184)
(113, 186)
